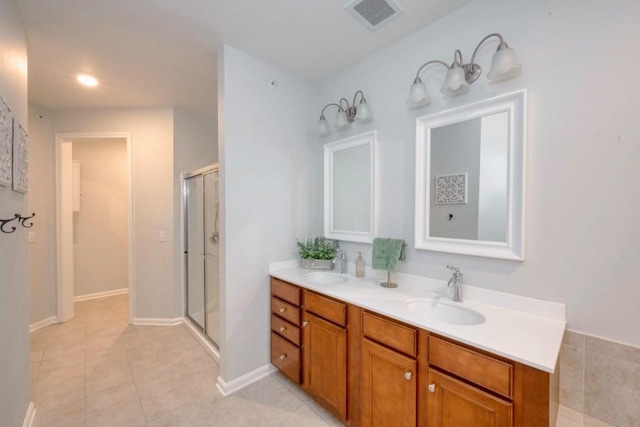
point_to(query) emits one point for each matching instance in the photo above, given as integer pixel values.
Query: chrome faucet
(456, 282)
(341, 257)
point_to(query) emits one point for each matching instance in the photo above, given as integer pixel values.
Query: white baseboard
(150, 321)
(30, 415)
(204, 342)
(97, 295)
(42, 323)
(227, 388)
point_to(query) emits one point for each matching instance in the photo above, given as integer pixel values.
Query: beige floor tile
(73, 417)
(233, 412)
(124, 415)
(160, 400)
(111, 398)
(306, 417)
(272, 399)
(187, 415)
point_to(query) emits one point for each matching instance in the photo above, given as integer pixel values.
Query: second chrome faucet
(341, 258)
(456, 283)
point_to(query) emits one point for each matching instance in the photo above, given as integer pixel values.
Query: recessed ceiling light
(87, 80)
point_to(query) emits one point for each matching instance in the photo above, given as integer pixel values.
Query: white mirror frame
(513, 249)
(370, 139)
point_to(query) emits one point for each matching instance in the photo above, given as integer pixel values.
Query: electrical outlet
(162, 237)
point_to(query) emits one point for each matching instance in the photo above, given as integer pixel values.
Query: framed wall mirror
(470, 169)
(351, 188)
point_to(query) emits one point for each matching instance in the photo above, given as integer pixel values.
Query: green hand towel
(387, 253)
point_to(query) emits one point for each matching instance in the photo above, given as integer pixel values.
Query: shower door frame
(185, 245)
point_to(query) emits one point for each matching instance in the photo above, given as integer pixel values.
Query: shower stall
(202, 250)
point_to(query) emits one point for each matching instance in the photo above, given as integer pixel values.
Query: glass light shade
(363, 113)
(418, 95)
(455, 82)
(503, 65)
(323, 127)
(341, 120)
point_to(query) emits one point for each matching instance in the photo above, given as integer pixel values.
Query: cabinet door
(389, 387)
(453, 403)
(325, 364)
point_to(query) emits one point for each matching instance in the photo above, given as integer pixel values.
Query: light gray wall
(264, 135)
(455, 149)
(42, 199)
(153, 174)
(14, 261)
(582, 233)
(101, 227)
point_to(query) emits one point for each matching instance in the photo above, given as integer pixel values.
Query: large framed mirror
(470, 170)
(351, 188)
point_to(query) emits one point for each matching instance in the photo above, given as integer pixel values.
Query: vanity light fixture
(87, 80)
(460, 75)
(346, 114)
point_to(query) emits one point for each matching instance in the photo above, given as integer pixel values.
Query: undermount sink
(326, 278)
(440, 311)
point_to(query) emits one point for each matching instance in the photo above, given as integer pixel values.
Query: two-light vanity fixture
(459, 76)
(346, 114)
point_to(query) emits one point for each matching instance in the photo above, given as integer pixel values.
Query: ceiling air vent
(374, 13)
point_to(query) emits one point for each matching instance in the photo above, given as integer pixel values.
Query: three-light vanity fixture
(461, 75)
(346, 114)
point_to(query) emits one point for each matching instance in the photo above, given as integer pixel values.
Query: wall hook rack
(17, 217)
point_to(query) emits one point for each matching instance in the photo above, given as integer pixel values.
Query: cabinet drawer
(285, 329)
(326, 308)
(483, 370)
(286, 357)
(285, 310)
(390, 333)
(285, 291)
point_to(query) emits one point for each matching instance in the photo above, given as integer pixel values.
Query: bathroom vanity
(372, 357)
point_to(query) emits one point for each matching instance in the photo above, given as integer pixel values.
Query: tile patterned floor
(97, 370)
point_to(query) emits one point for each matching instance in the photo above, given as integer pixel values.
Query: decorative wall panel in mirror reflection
(470, 179)
(351, 189)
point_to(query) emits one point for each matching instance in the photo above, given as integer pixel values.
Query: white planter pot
(317, 264)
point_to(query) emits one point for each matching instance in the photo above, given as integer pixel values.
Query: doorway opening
(94, 219)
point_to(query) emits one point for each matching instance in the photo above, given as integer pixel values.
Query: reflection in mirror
(470, 179)
(350, 174)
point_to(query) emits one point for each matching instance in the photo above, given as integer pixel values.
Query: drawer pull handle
(283, 356)
(432, 388)
(283, 328)
(282, 309)
(305, 323)
(407, 376)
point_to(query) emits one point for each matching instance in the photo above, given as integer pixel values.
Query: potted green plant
(318, 253)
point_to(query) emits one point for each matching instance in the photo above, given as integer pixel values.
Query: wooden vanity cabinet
(285, 328)
(389, 373)
(470, 387)
(373, 371)
(325, 352)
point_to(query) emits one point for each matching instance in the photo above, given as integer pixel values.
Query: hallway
(97, 370)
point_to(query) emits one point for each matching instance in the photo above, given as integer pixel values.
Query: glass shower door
(195, 250)
(211, 255)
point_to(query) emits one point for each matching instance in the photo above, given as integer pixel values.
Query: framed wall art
(6, 141)
(20, 158)
(451, 189)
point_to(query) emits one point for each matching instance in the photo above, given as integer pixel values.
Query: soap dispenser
(359, 265)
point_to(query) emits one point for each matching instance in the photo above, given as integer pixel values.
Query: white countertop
(523, 329)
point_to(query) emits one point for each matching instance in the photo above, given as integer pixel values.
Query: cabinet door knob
(283, 328)
(408, 375)
(282, 309)
(432, 388)
(305, 323)
(283, 356)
